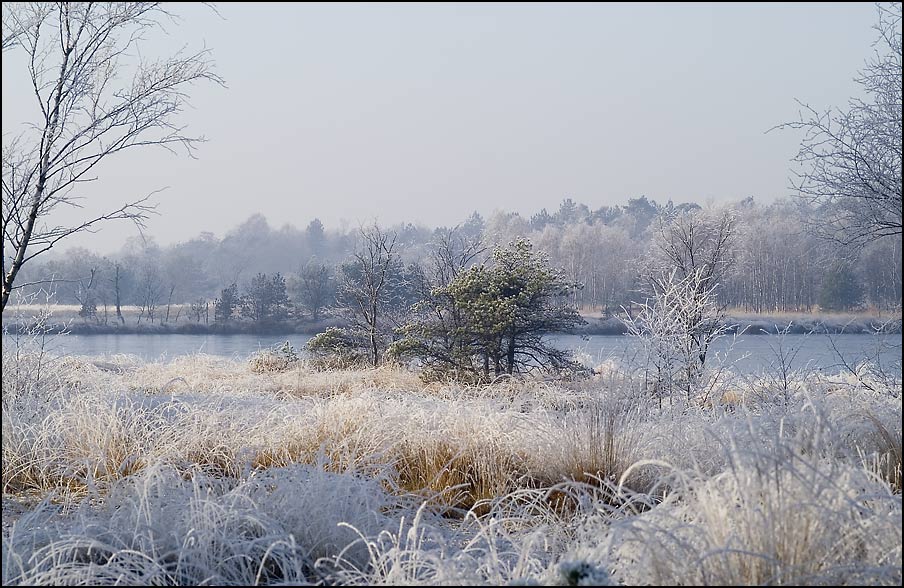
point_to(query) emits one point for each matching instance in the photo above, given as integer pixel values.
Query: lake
(747, 354)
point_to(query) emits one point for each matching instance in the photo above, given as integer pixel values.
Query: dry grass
(68, 313)
(456, 478)
(886, 459)
(777, 517)
(190, 463)
(603, 446)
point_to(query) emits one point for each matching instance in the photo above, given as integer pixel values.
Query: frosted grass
(200, 471)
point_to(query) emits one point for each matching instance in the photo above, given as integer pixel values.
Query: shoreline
(771, 325)
(748, 324)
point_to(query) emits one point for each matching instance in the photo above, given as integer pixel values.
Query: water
(156, 347)
(747, 354)
(755, 353)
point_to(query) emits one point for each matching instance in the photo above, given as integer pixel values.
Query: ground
(204, 470)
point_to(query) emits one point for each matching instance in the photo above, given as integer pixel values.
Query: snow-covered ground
(201, 471)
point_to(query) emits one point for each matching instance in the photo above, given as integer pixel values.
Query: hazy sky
(425, 113)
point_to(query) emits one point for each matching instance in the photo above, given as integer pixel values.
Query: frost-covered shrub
(336, 349)
(676, 329)
(277, 359)
(28, 367)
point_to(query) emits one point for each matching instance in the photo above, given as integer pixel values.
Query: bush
(276, 359)
(336, 348)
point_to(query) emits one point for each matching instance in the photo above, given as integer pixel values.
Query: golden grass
(455, 445)
(64, 313)
(735, 492)
(887, 460)
(455, 477)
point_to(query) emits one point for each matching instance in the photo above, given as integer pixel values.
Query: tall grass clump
(885, 460)
(604, 441)
(784, 514)
(275, 359)
(160, 527)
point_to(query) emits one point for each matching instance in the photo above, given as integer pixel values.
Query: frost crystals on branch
(851, 159)
(94, 98)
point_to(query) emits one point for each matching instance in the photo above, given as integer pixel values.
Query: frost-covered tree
(676, 328)
(491, 319)
(690, 242)
(93, 99)
(779, 265)
(850, 158)
(691, 252)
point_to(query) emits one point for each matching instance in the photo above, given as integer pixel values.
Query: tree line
(778, 266)
(836, 246)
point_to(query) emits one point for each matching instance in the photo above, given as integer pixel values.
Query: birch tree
(365, 287)
(850, 159)
(95, 97)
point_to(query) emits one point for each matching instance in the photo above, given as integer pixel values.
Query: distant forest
(778, 266)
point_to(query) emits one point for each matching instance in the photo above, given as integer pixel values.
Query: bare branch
(76, 55)
(850, 159)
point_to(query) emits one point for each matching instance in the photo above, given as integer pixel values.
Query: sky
(425, 113)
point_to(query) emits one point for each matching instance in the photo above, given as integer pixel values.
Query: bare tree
(851, 159)
(149, 290)
(365, 284)
(85, 296)
(116, 282)
(76, 55)
(197, 309)
(453, 252)
(691, 242)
